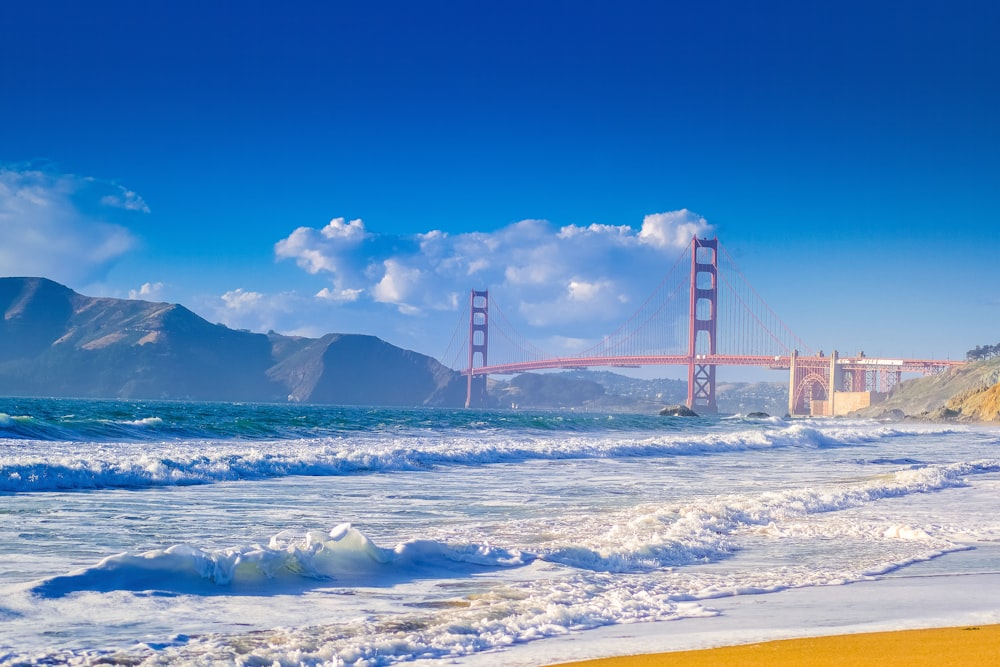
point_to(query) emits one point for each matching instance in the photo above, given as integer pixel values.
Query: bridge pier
(811, 385)
(833, 386)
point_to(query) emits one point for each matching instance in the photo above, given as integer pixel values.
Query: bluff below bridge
(965, 393)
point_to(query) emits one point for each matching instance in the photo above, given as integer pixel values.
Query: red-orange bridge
(702, 319)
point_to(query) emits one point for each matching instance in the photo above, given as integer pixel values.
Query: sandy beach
(920, 616)
(941, 647)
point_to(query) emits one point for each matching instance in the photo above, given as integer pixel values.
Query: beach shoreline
(953, 591)
(940, 647)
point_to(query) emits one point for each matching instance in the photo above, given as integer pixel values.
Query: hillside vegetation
(966, 393)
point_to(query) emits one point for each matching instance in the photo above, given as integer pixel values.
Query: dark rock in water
(757, 415)
(678, 411)
(894, 415)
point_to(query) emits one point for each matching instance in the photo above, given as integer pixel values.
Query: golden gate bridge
(703, 314)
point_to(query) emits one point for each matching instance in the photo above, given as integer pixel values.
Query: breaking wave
(147, 463)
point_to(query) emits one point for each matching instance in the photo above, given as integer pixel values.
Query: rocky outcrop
(678, 411)
(982, 404)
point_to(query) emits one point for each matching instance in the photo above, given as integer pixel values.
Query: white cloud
(338, 229)
(342, 295)
(47, 227)
(581, 279)
(537, 267)
(607, 231)
(301, 245)
(147, 292)
(333, 250)
(241, 301)
(397, 284)
(126, 199)
(673, 229)
(248, 309)
(579, 290)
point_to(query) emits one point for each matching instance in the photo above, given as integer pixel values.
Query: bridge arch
(805, 386)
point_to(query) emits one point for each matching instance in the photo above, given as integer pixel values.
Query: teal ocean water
(211, 533)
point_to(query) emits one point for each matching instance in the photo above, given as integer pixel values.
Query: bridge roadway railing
(779, 362)
(905, 365)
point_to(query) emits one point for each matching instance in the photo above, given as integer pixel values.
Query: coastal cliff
(965, 393)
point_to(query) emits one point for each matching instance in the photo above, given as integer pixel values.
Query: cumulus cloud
(329, 249)
(673, 229)
(348, 232)
(397, 283)
(62, 226)
(544, 275)
(240, 300)
(147, 292)
(248, 309)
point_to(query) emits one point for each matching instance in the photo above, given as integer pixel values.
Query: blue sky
(217, 155)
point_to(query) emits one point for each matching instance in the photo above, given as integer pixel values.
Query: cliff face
(56, 342)
(981, 404)
(966, 393)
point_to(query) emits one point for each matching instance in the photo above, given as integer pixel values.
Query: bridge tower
(479, 318)
(703, 324)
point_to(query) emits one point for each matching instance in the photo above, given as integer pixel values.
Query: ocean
(146, 532)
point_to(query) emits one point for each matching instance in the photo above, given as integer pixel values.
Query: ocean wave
(496, 620)
(145, 421)
(83, 420)
(590, 581)
(342, 557)
(143, 464)
(637, 540)
(673, 535)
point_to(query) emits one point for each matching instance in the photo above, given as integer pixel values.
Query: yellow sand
(940, 647)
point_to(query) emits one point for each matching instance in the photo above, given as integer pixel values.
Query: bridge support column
(792, 385)
(479, 318)
(834, 382)
(703, 324)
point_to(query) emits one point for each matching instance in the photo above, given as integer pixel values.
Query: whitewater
(210, 533)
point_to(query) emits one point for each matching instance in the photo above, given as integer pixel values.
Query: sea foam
(640, 539)
(109, 464)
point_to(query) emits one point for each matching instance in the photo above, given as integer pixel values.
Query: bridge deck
(772, 362)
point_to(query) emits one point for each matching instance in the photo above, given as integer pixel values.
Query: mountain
(361, 370)
(56, 342)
